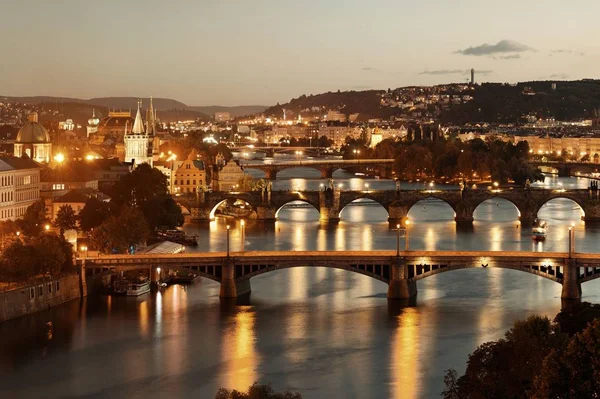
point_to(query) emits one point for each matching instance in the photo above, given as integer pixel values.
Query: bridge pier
(571, 287)
(326, 173)
(266, 213)
(397, 214)
(230, 286)
(329, 206)
(400, 286)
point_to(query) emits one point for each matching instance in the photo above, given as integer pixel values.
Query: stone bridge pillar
(266, 212)
(271, 174)
(326, 173)
(592, 211)
(397, 214)
(571, 287)
(329, 206)
(400, 287)
(464, 213)
(564, 171)
(230, 286)
(528, 215)
(200, 214)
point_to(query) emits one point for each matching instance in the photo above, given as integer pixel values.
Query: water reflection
(406, 378)
(238, 354)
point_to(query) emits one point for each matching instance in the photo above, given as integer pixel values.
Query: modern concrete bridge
(399, 269)
(326, 167)
(397, 203)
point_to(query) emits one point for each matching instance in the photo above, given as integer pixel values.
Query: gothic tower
(138, 143)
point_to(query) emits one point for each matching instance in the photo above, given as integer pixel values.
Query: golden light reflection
(239, 351)
(299, 238)
(144, 319)
(431, 238)
(340, 237)
(495, 238)
(367, 239)
(298, 283)
(406, 379)
(491, 315)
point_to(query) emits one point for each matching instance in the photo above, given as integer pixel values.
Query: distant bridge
(400, 270)
(566, 169)
(326, 167)
(330, 203)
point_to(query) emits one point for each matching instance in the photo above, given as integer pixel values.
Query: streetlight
(398, 240)
(367, 186)
(18, 233)
(84, 249)
(158, 275)
(496, 184)
(47, 227)
(228, 231)
(243, 233)
(407, 223)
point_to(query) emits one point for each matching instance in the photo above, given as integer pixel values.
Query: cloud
(509, 57)
(367, 69)
(563, 51)
(502, 47)
(559, 76)
(441, 72)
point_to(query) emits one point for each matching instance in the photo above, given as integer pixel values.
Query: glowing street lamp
(397, 240)
(84, 248)
(407, 223)
(60, 157)
(47, 227)
(228, 233)
(243, 233)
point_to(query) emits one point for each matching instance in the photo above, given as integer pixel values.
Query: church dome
(33, 131)
(93, 121)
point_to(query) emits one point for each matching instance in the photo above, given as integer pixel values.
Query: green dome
(32, 132)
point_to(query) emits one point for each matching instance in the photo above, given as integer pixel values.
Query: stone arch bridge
(383, 167)
(400, 270)
(330, 203)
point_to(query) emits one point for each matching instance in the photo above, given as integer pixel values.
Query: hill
(488, 102)
(241, 110)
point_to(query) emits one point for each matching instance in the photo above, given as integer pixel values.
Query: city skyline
(267, 52)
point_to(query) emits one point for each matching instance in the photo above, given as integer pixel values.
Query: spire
(138, 125)
(93, 112)
(150, 120)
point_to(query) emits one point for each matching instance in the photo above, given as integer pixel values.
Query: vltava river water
(325, 333)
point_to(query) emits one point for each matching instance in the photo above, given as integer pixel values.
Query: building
(189, 177)
(138, 142)
(33, 140)
(55, 182)
(76, 199)
(222, 116)
(227, 177)
(93, 123)
(337, 116)
(19, 186)
(472, 76)
(339, 133)
(573, 146)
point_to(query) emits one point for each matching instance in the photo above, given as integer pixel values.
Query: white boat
(135, 289)
(539, 230)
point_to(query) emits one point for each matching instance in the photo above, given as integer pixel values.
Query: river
(325, 333)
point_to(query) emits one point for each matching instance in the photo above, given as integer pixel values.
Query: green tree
(506, 368)
(18, 262)
(256, 391)
(93, 214)
(139, 186)
(34, 219)
(65, 219)
(573, 372)
(121, 234)
(50, 256)
(162, 212)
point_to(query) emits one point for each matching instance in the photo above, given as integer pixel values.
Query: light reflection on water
(324, 332)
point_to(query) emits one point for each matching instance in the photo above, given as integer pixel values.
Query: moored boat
(539, 230)
(139, 288)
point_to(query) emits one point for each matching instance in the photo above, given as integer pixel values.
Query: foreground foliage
(537, 358)
(256, 391)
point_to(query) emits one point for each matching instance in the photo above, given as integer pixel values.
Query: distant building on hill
(19, 186)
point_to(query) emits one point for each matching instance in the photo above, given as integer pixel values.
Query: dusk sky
(205, 52)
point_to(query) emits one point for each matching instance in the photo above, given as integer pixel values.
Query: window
(31, 293)
(188, 182)
(41, 290)
(57, 286)
(58, 187)
(49, 288)
(27, 179)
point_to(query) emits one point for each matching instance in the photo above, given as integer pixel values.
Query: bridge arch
(421, 271)
(213, 210)
(423, 202)
(296, 202)
(546, 203)
(495, 202)
(378, 272)
(289, 170)
(366, 199)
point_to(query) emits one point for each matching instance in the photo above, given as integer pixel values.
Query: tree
(65, 219)
(162, 212)
(573, 372)
(93, 214)
(121, 234)
(34, 219)
(50, 256)
(139, 186)
(256, 391)
(18, 261)
(506, 368)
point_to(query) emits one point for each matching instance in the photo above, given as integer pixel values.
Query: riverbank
(41, 295)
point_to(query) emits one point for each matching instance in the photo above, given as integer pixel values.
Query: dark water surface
(325, 333)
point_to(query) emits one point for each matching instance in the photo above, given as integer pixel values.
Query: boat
(138, 288)
(120, 287)
(539, 230)
(181, 277)
(179, 237)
